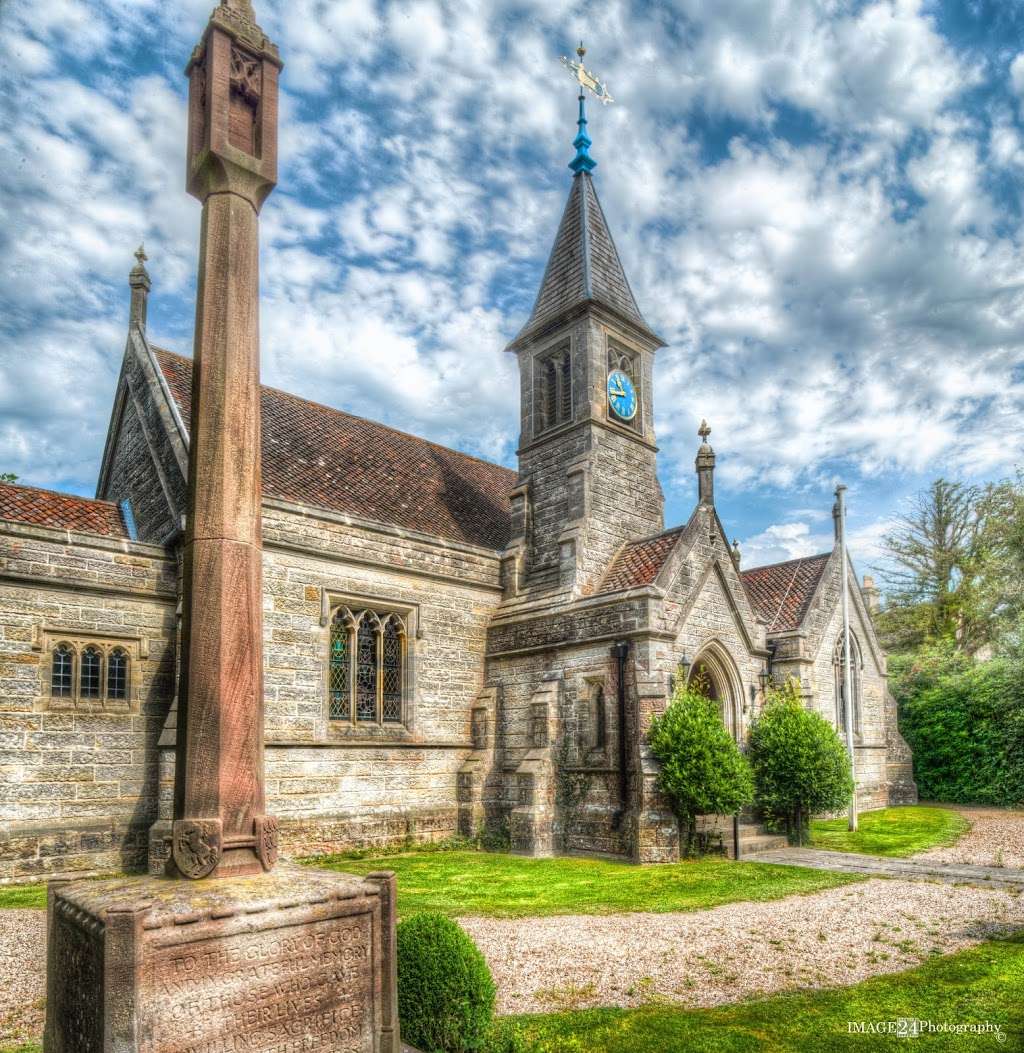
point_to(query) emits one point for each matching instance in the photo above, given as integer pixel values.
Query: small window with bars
(62, 674)
(366, 667)
(91, 674)
(117, 675)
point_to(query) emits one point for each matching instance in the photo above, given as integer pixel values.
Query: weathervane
(590, 81)
(587, 81)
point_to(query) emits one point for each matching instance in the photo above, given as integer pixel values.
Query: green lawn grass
(505, 886)
(981, 985)
(891, 831)
(31, 897)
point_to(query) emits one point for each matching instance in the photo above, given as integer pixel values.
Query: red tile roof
(315, 455)
(638, 562)
(26, 504)
(781, 592)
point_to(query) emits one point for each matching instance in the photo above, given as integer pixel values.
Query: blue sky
(817, 204)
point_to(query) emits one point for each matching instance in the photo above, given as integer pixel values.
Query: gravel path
(739, 950)
(22, 973)
(995, 839)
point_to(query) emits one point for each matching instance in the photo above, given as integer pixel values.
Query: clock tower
(588, 480)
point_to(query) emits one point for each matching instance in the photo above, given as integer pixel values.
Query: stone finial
(736, 551)
(835, 521)
(140, 284)
(705, 464)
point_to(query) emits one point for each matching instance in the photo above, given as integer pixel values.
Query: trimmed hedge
(966, 730)
(801, 767)
(702, 770)
(445, 990)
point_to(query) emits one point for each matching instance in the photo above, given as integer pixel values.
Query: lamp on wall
(765, 678)
(684, 668)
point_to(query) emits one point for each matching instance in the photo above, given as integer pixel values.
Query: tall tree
(932, 576)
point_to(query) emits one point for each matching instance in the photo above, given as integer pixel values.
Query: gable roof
(315, 455)
(28, 504)
(782, 592)
(638, 562)
(584, 265)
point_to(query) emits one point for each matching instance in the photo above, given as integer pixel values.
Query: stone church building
(451, 647)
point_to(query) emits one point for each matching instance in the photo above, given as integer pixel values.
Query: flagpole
(847, 678)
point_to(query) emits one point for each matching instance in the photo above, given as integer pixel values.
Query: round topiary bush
(445, 990)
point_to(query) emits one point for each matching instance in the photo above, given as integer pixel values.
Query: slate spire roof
(584, 267)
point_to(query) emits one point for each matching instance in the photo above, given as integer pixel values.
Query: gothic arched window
(366, 675)
(91, 674)
(62, 673)
(117, 675)
(839, 681)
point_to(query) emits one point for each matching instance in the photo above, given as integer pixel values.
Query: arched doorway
(714, 673)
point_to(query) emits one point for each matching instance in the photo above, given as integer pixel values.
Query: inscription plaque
(258, 991)
(297, 961)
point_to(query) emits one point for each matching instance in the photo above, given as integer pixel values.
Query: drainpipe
(621, 651)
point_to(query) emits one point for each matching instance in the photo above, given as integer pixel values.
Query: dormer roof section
(583, 268)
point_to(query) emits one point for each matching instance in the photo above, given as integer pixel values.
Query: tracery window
(93, 672)
(554, 389)
(366, 667)
(838, 676)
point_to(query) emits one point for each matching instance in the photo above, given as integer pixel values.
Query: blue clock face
(621, 395)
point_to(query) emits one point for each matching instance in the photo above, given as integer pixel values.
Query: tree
(702, 769)
(800, 765)
(934, 561)
(999, 590)
(8, 477)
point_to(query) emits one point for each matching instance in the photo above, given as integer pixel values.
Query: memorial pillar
(219, 823)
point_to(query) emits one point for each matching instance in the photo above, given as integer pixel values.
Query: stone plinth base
(293, 961)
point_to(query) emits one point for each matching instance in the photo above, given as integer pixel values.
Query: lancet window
(840, 684)
(366, 681)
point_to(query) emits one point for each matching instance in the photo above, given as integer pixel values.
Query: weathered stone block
(289, 961)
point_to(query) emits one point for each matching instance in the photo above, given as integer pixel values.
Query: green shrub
(800, 765)
(702, 769)
(445, 990)
(966, 729)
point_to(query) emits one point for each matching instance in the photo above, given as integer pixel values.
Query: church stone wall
(334, 786)
(78, 781)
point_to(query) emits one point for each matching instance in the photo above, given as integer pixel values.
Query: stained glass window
(61, 682)
(366, 671)
(117, 675)
(391, 673)
(366, 667)
(340, 707)
(90, 676)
